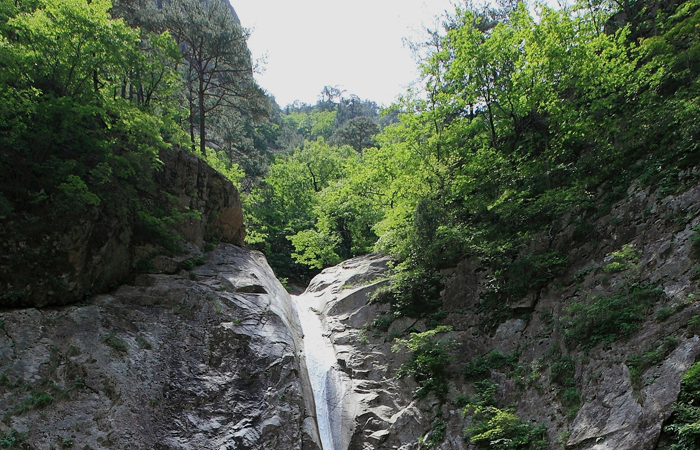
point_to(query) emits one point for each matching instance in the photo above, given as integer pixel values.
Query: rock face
(101, 251)
(200, 360)
(620, 405)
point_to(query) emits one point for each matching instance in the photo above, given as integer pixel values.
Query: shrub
(651, 356)
(13, 440)
(382, 322)
(663, 313)
(694, 325)
(114, 342)
(563, 370)
(695, 243)
(608, 318)
(143, 343)
(683, 426)
(481, 366)
(414, 293)
(531, 272)
(501, 429)
(437, 434)
(429, 362)
(623, 259)
(38, 399)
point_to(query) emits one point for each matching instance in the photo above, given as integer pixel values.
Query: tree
(357, 132)
(219, 71)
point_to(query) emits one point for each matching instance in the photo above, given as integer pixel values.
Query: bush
(663, 313)
(651, 356)
(13, 440)
(414, 293)
(563, 370)
(114, 342)
(437, 434)
(429, 363)
(501, 429)
(683, 427)
(623, 259)
(481, 366)
(608, 318)
(382, 322)
(38, 399)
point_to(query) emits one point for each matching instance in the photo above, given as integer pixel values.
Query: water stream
(324, 373)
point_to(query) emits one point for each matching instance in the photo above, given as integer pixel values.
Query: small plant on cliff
(429, 363)
(37, 399)
(623, 259)
(651, 356)
(414, 293)
(13, 440)
(605, 319)
(500, 429)
(481, 366)
(113, 341)
(435, 436)
(683, 427)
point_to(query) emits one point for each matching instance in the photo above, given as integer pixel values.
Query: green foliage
(143, 343)
(664, 313)
(429, 362)
(683, 427)
(695, 243)
(501, 429)
(437, 434)
(283, 212)
(113, 341)
(604, 319)
(382, 322)
(13, 440)
(524, 127)
(651, 356)
(315, 249)
(37, 400)
(622, 260)
(191, 263)
(562, 370)
(481, 366)
(86, 105)
(415, 293)
(223, 163)
(694, 324)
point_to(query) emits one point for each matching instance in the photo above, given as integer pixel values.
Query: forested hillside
(87, 102)
(527, 120)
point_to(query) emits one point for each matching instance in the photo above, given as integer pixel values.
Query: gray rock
(173, 364)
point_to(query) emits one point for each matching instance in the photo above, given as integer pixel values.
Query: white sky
(356, 45)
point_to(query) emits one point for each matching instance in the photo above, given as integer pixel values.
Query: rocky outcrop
(102, 250)
(200, 360)
(613, 402)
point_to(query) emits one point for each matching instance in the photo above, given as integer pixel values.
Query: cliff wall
(102, 250)
(205, 359)
(547, 361)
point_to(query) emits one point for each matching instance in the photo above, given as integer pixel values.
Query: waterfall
(324, 373)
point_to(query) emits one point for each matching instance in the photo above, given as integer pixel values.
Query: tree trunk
(202, 134)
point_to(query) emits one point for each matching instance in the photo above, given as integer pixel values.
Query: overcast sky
(356, 45)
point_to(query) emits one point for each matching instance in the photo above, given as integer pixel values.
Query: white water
(324, 373)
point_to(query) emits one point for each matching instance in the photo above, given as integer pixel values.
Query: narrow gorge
(507, 257)
(208, 350)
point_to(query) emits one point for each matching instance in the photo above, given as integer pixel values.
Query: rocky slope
(205, 359)
(101, 251)
(590, 395)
